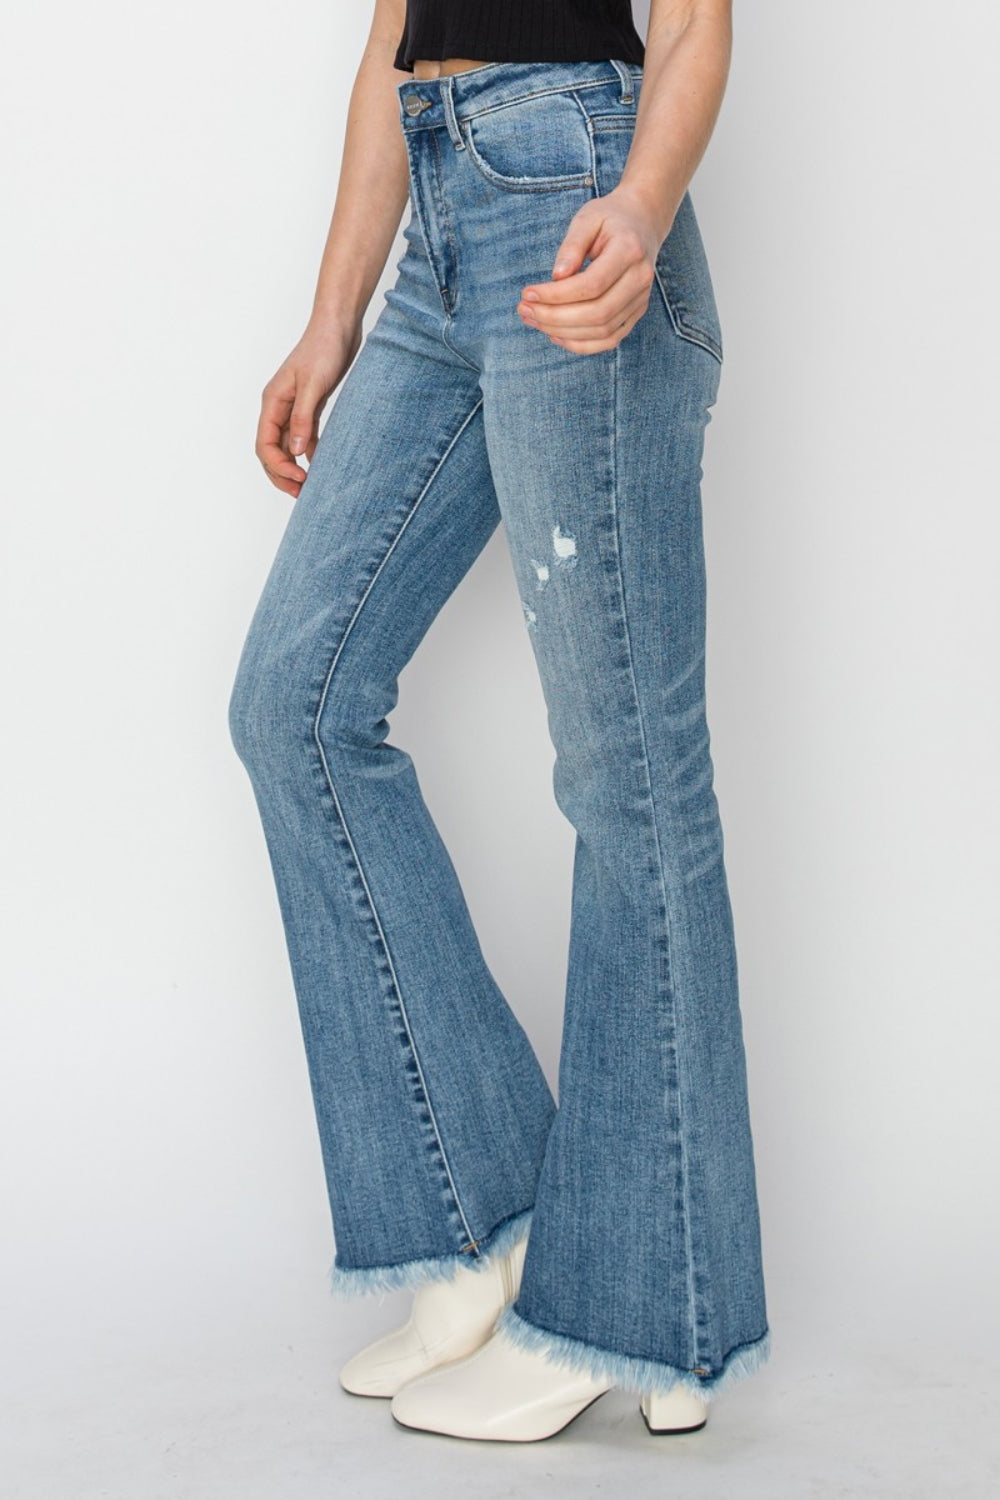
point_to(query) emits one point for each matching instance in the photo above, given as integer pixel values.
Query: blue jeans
(441, 1140)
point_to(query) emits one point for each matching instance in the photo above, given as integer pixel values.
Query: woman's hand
(685, 66)
(593, 309)
(294, 397)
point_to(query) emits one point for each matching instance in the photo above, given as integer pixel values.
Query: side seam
(667, 952)
(471, 1249)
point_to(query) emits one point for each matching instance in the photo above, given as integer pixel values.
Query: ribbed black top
(519, 31)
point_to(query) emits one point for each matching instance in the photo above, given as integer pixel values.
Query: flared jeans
(441, 1141)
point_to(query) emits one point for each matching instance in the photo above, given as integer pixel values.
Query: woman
(529, 139)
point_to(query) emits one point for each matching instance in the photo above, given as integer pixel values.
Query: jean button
(413, 103)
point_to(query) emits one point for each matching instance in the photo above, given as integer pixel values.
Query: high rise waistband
(425, 102)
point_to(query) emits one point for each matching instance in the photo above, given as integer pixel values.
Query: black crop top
(519, 31)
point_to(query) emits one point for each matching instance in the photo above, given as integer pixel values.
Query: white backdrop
(169, 176)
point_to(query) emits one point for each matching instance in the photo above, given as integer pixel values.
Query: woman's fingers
(612, 255)
(302, 423)
(287, 427)
(603, 310)
(592, 340)
(595, 318)
(594, 307)
(292, 402)
(272, 438)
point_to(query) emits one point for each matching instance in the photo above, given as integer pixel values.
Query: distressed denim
(441, 1140)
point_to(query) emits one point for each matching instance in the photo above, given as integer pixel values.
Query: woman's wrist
(684, 77)
(655, 207)
(345, 284)
(337, 313)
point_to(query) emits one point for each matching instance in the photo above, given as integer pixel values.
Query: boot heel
(676, 1410)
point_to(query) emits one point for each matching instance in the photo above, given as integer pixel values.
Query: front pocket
(534, 145)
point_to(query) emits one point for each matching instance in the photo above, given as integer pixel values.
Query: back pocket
(685, 281)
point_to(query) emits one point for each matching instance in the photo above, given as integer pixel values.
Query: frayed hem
(348, 1281)
(633, 1374)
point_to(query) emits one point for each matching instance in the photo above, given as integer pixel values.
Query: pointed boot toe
(381, 1367)
(448, 1320)
(501, 1392)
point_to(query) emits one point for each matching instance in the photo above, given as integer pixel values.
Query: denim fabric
(441, 1140)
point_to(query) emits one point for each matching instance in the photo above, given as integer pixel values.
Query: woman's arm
(372, 189)
(371, 193)
(688, 47)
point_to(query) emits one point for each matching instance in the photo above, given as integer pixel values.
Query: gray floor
(247, 1405)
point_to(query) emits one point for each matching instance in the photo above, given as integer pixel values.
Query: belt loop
(627, 93)
(447, 99)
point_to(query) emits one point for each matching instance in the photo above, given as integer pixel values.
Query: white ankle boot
(515, 1395)
(677, 1410)
(449, 1319)
(501, 1391)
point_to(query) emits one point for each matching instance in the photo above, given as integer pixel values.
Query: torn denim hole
(564, 547)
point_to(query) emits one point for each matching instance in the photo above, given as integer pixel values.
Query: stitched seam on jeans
(413, 125)
(542, 93)
(343, 821)
(616, 373)
(683, 329)
(449, 295)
